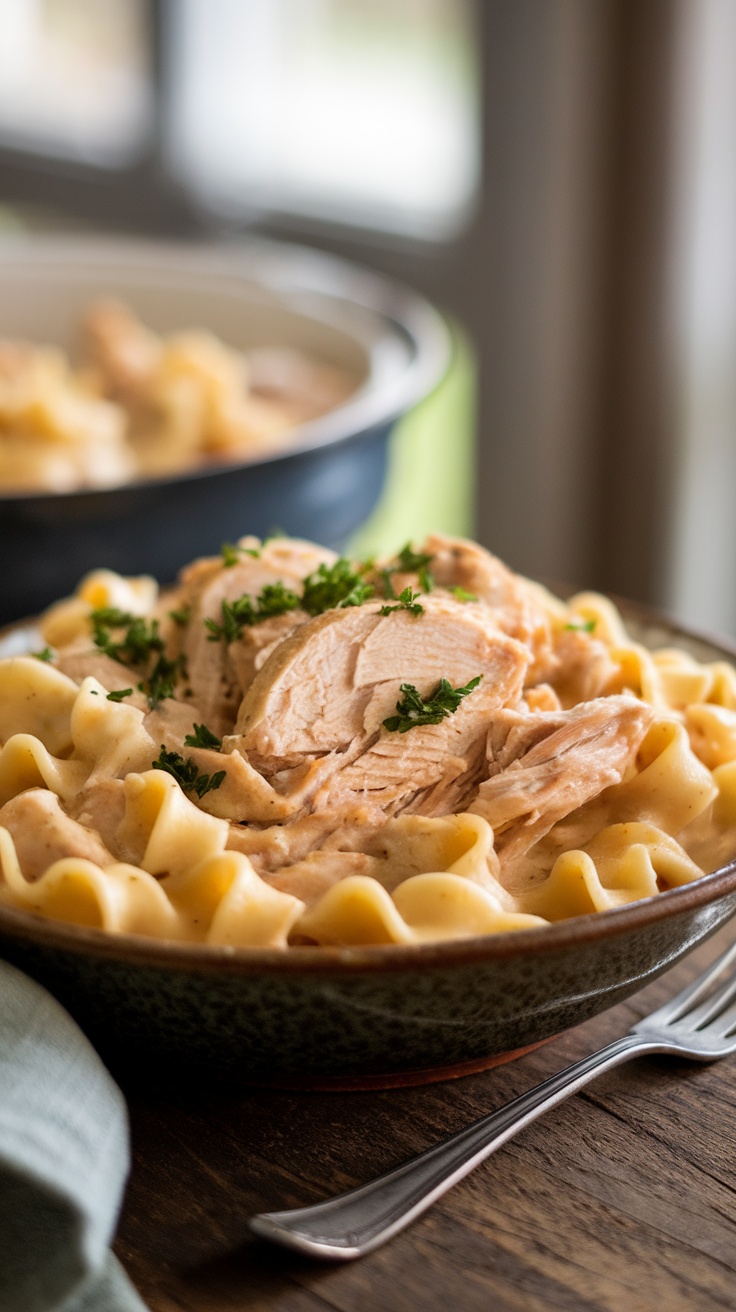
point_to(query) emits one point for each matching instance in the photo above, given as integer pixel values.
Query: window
(363, 111)
(75, 79)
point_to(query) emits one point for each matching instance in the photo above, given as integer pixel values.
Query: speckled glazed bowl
(316, 1015)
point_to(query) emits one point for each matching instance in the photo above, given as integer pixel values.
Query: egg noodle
(144, 405)
(293, 749)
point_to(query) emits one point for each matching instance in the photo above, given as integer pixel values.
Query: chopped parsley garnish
(235, 615)
(386, 583)
(163, 679)
(231, 553)
(274, 599)
(140, 645)
(407, 600)
(182, 616)
(411, 561)
(413, 710)
(585, 626)
(119, 694)
(202, 737)
(186, 773)
(408, 561)
(45, 655)
(461, 595)
(334, 586)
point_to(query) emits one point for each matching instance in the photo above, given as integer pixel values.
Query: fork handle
(354, 1223)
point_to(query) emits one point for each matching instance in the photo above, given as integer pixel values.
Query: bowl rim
(203, 958)
(283, 269)
(558, 936)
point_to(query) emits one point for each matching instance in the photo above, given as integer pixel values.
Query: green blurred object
(431, 475)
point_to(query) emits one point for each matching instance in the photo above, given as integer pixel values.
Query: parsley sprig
(186, 773)
(329, 587)
(274, 599)
(45, 655)
(231, 553)
(333, 587)
(139, 640)
(202, 737)
(414, 711)
(408, 561)
(119, 694)
(163, 679)
(585, 626)
(407, 600)
(132, 640)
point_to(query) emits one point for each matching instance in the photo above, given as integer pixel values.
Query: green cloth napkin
(63, 1161)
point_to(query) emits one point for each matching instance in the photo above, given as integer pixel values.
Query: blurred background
(558, 176)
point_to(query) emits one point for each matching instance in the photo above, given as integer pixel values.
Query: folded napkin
(63, 1161)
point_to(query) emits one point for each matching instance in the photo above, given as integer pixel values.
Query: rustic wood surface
(623, 1198)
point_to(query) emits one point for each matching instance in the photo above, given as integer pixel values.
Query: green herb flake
(231, 553)
(461, 595)
(235, 615)
(334, 586)
(182, 616)
(163, 679)
(387, 584)
(407, 600)
(45, 655)
(585, 626)
(408, 561)
(414, 711)
(119, 694)
(138, 642)
(274, 599)
(186, 773)
(203, 737)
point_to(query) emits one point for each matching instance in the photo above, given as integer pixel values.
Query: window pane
(74, 77)
(364, 111)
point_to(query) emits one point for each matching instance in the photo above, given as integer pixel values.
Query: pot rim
(287, 270)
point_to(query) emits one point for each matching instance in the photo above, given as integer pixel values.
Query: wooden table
(622, 1198)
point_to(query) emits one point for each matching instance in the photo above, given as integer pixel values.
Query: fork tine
(697, 1018)
(724, 1025)
(690, 996)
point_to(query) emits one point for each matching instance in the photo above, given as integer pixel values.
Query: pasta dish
(143, 405)
(291, 748)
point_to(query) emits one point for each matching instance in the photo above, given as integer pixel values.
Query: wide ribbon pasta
(154, 825)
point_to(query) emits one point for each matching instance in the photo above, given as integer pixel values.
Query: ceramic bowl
(321, 1017)
(320, 484)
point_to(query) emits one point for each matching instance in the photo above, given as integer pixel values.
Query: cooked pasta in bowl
(381, 770)
(140, 404)
(156, 397)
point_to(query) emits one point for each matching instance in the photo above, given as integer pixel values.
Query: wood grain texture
(621, 1200)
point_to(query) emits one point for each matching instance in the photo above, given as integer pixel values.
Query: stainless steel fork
(699, 1023)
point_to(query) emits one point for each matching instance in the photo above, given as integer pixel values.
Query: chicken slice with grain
(457, 563)
(219, 671)
(312, 720)
(544, 766)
